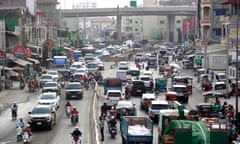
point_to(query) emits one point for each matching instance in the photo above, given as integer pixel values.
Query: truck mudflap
(140, 138)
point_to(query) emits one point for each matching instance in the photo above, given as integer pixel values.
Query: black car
(74, 90)
(138, 88)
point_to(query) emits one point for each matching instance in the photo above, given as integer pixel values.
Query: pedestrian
(134, 110)
(101, 125)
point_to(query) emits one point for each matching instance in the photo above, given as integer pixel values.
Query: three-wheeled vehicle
(208, 110)
(220, 88)
(160, 84)
(65, 74)
(171, 96)
(187, 64)
(186, 80)
(210, 97)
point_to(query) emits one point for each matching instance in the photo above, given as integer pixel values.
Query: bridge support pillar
(119, 30)
(171, 27)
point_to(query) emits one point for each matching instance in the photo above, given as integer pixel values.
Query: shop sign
(19, 51)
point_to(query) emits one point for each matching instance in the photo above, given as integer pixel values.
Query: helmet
(112, 107)
(76, 127)
(28, 125)
(112, 117)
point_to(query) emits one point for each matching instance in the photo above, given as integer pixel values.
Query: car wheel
(50, 126)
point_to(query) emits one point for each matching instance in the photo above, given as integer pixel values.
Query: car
(124, 104)
(100, 65)
(112, 97)
(54, 74)
(45, 78)
(42, 116)
(155, 106)
(147, 73)
(14, 75)
(137, 88)
(92, 67)
(123, 65)
(77, 65)
(152, 62)
(182, 93)
(148, 82)
(146, 100)
(50, 98)
(51, 87)
(74, 90)
(80, 71)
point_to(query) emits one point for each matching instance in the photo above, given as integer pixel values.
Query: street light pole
(237, 63)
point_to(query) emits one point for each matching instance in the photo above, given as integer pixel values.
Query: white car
(49, 98)
(77, 65)
(123, 65)
(54, 74)
(113, 96)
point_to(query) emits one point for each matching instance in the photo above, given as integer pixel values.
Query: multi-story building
(210, 20)
(159, 24)
(132, 27)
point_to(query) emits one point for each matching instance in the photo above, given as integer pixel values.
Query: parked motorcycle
(86, 85)
(26, 138)
(22, 85)
(68, 111)
(74, 119)
(19, 132)
(113, 131)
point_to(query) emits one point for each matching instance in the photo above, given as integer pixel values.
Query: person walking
(101, 125)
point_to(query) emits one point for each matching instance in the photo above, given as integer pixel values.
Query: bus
(86, 50)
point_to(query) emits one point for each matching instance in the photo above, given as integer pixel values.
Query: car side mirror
(29, 112)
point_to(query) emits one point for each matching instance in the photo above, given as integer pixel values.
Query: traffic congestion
(143, 96)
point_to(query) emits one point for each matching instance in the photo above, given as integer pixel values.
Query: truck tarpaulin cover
(59, 61)
(200, 133)
(113, 82)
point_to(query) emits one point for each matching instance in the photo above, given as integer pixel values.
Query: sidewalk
(9, 96)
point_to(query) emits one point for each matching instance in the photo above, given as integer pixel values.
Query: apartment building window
(220, 12)
(161, 21)
(130, 21)
(130, 28)
(218, 32)
(136, 22)
(136, 29)
(178, 21)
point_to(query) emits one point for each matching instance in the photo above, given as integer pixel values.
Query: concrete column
(119, 31)
(171, 27)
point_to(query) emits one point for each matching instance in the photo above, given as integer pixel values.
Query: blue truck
(136, 130)
(112, 84)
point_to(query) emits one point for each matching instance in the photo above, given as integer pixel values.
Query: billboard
(233, 30)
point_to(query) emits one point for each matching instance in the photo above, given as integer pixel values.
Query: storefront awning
(230, 2)
(35, 61)
(22, 62)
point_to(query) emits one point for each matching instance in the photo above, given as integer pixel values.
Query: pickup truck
(135, 129)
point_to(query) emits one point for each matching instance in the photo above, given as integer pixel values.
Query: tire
(50, 126)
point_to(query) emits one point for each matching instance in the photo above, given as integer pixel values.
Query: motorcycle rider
(113, 112)
(112, 121)
(76, 133)
(14, 109)
(74, 112)
(104, 109)
(68, 104)
(21, 123)
(28, 130)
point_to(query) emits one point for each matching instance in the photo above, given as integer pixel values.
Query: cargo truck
(136, 130)
(217, 62)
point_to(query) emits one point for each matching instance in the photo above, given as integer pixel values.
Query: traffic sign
(19, 51)
(28, 53)
(133, 3)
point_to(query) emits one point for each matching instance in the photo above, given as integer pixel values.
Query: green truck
(136, 130)
(176, 127)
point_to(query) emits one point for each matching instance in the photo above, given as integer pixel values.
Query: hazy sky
(67, 4)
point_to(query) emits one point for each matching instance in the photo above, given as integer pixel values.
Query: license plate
(39, 123)
(114, 101)
(139, 90)
(180, 94)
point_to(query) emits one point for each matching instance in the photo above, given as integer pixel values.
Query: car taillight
(121, 98)
(107, 98)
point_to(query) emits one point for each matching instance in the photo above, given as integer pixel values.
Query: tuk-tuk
(161, 84)
(161, 69)
(171, 96)
(198, 72)
(208, 110)
(220, 88)
(205, 82)
(187, 64)
(168, 70)
(186, 80)
(210, 96)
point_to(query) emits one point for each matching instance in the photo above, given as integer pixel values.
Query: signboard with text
(19, 51)
(234, 31)
(3, 57)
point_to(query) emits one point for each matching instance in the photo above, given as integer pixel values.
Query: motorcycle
(113, 131)
(74, 119)
(76, 140)
(68, 111)
(86, 85)
(62, 83)
(19, 133)
(26, 138)
(14, 114)
(22, 85)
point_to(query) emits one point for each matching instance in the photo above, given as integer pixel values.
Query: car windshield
(134, 72)
(40, 111)
(46, 77)
(52, 73)
(220, 86)
(145, 78)
(180, 89)
(79, 71)
(74, 86)
(160, 106)
(138, 83)
(91, 65)
(50, 85)
(114, 94)
(47, 96)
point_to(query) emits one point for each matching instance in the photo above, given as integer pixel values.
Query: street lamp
(237, 64)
